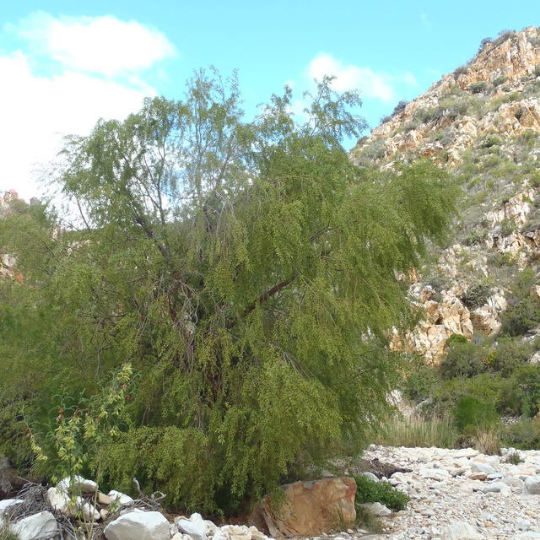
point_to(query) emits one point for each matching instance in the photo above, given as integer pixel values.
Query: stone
(377, 509)
(532, 485)
(77, 484)
(103, 499)
(71, 507)
(513, 481)
(41, 525)
(308, 508)
(371, 476)
(496, 487)
(139, 526)
(195, 529)
(6, 504)
(479, 467)
(122, 498)
(460, 530)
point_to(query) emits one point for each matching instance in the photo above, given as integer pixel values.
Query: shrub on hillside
(420, 380)
(463, 360)
(521, 317)
(476, 295)
(478, 87)
(509, 355)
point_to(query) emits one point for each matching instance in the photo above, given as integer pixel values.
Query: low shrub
(521, 317)
(370, 491)
(513, 458)
(470, 412)
(478, 87)
(499, 80)
(420, 380)
(476, 295)
(463, 360)
(525, 434)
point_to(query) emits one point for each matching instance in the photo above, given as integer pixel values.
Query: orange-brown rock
(308, 508)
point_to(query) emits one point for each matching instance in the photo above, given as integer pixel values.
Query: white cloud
(371, 84)
(104, 45)
(38, 110)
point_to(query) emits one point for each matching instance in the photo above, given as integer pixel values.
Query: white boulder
(194, 527)
(460, 530)
(8, 503)
(77, 484)
(139, 526)
(479, 467)
(122, 498)
(42, 525)
(532, 485)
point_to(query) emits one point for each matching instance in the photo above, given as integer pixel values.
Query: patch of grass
(6, 534)
(419, 432)
(370, 491)
(366, 520)
(514, 458)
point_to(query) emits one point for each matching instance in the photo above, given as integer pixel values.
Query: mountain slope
(481, 123)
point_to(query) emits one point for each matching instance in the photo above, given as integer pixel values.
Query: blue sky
(65, 64)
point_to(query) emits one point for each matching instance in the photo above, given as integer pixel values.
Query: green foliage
(524, 311)
(499, 80)
(509, 355)
(476, 295)
(513, 458)
(247, 273)
(478, 87)
(420, 380)
(471, 412)
(418, 431)
(463, 360)
(367, 520)
(524, 434)
(370, 491)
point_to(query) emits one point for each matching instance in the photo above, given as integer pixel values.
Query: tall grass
(418, 431)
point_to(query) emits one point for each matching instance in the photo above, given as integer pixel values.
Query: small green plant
(370, 491)
(519, 113)
(366, 520)
(6, 534)
(514, 458)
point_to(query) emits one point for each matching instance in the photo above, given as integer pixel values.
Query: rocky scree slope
(482, 124)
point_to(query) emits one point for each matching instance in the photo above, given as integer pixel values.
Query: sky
(65, 64)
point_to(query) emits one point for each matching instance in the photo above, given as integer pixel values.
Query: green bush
(370, 491)
(521, 317)
(478, 87)
(470, 412)
(476, 295)
(524, 435)
(509, 355)
(420, 380)
(463, 360)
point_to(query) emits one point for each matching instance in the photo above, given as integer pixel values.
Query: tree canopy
(245, 269)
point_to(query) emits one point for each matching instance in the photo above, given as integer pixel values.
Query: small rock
(139, 526)
(122, 498)
(103, 499)
(377, 509)
(77, 484)
(371, 476)
(196, 530)
(532, 485)
(479, 467)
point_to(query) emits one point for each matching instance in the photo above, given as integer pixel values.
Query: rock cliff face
(482, 124)
(7, 262)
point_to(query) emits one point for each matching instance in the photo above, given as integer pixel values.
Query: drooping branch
(261, 300)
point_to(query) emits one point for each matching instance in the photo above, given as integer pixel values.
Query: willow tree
(248, 272)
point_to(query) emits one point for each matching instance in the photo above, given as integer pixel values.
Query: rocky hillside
(481, 123)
